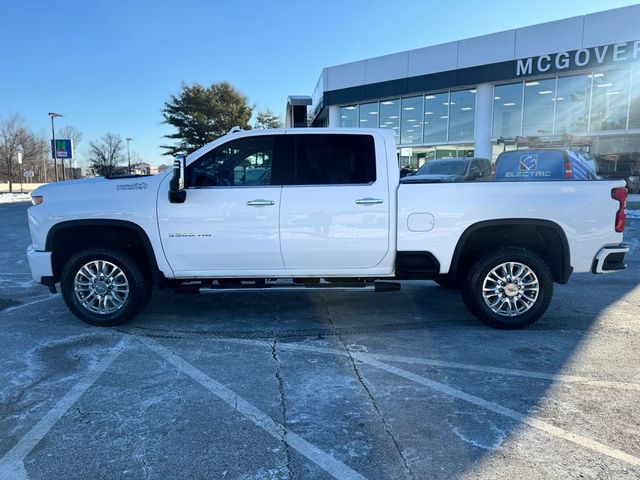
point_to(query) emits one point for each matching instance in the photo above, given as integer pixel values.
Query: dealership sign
(616, 53)
(63, 148)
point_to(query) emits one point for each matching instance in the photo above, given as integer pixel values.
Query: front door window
(244, 162)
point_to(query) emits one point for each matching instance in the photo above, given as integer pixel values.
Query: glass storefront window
(507, 110)
(599, 101)
(390, 116)
(539, 96)
(610, 99)
(634, 112)
(411, 132)
(369, 115)
(462, 114)
(436, 117)
(572, 103)
(349, 116)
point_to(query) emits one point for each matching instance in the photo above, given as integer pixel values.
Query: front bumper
(40, 264)
(610, 259)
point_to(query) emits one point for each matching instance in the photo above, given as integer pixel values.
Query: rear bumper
(40, 264)
(610, 259)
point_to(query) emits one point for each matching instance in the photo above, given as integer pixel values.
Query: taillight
(568, 173)
(620, 194)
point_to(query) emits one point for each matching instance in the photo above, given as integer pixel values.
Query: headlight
(37, 199)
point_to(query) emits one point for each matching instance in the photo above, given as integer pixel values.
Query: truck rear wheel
(104, 286)
(509, 288)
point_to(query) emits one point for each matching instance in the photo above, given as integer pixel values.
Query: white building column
(484, 108)
(334, 116)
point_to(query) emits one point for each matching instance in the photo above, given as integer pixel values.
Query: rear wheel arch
(543, 237)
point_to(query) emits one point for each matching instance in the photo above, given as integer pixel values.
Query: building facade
(572, 82)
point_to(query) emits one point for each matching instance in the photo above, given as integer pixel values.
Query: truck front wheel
(104, 286)
(509, 288)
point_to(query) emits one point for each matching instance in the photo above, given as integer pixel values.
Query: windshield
(447, 167)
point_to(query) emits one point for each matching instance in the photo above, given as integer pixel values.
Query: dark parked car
(545, 164)
(452, 170)
(624, 169)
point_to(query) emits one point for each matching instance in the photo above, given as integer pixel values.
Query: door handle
(260, 203)
(369, 201)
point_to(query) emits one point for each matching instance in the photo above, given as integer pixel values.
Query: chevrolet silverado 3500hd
(321, 207)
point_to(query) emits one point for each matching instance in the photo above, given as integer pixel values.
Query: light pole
(129, 153)
(44, 167)
(53, 137)
(20, 166)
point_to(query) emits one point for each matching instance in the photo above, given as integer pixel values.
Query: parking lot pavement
(349, 385)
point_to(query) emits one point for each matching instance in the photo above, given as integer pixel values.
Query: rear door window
(332, 159)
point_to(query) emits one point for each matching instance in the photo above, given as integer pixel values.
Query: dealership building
(567, 83)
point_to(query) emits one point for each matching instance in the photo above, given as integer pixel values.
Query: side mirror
(177, 192)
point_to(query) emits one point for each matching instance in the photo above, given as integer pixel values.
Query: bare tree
(15, 137)
(105, 155)
(72, 133)
(267, 119)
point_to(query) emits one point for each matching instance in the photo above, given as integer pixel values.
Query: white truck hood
(90, 187)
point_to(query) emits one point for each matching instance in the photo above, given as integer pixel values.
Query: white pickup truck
(321, 207)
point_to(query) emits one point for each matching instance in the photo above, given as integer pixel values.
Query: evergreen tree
(200, 115)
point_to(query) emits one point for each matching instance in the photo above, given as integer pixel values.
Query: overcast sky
(109, 66)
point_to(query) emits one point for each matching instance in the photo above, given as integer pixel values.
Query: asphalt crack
(387, 428)
(281, 390)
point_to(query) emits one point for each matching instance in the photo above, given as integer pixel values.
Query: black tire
(445, 281)
(138, 293)
(516, 294)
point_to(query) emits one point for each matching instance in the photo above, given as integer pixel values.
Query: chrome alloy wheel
(510, 289)
(101, 287)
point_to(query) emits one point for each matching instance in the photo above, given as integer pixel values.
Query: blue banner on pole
(64, 148)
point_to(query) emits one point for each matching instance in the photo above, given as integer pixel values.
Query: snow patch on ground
(14, 197)
(632, 232)
(633, 213)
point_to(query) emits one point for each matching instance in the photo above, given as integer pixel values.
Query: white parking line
(325, 461)
(507, 412)
(28, 304)
(11, 464)
(370, 359)
(559, 377)
(444, 364)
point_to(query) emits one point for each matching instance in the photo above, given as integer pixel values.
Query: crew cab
(317, 208)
